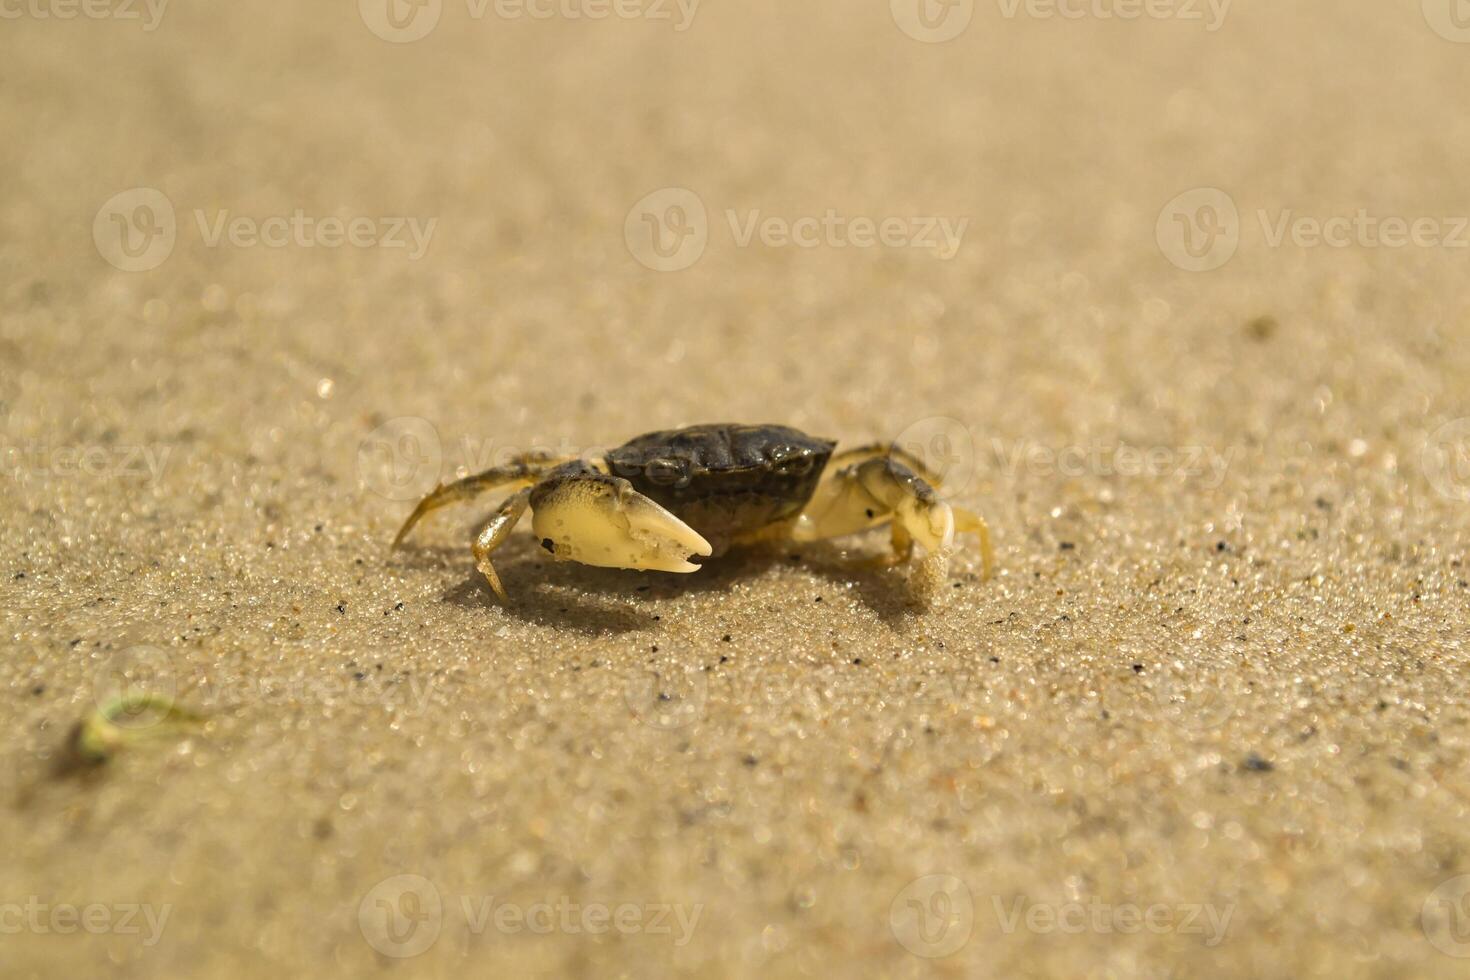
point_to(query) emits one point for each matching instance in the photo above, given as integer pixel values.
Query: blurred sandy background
(1237, 690)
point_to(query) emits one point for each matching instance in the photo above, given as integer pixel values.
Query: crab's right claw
(601, 520)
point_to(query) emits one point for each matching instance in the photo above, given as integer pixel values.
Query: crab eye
(665, 472)
(789, 461)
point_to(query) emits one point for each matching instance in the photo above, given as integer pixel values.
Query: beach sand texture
(268, 270)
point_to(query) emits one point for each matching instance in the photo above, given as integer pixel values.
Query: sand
(1209, 719)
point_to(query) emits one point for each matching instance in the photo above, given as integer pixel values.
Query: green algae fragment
(127, 720)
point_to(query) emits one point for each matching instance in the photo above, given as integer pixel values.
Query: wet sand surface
(1208, 719)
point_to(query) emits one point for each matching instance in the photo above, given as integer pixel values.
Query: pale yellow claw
(871, 493)
(599, 520)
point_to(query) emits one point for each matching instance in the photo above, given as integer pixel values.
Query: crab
(659, 500)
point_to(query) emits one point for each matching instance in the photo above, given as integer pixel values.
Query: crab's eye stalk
(790, 461)
(666, 472)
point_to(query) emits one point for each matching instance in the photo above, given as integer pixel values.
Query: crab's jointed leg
(583, 515)
(524, 469)
(493, 534)
(969, 522)
(903, 543)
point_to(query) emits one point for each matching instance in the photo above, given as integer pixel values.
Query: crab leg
(522, 470)
(493, 534)
(969, 521)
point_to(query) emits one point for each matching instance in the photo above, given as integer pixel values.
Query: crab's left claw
(596, 519)
(883, 489)
(871, 493)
